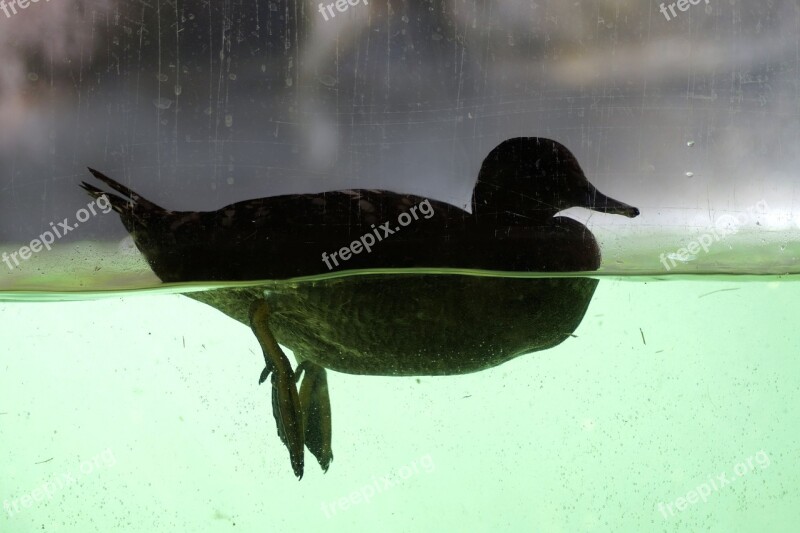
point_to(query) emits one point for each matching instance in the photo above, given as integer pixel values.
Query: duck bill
(597, 201)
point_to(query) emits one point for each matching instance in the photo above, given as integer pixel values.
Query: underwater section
(143, 414)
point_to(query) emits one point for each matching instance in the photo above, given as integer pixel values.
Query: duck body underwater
(392, 324)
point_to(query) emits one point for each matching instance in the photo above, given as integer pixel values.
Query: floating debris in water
(715, 292)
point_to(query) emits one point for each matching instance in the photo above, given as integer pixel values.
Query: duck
(400, 303)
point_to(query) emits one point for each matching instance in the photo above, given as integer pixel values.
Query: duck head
(532, 179)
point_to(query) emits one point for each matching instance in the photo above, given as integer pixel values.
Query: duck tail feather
(133, 198)
(118, 203)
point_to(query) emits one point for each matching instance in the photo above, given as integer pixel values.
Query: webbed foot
(316, 404)
(286, 406)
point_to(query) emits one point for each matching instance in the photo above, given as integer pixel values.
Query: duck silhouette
(398, 323)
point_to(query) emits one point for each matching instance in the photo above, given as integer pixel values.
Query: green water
(146, 406)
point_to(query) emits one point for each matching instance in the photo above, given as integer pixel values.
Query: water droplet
(690, 174)
(162, 103)
(232, 76)
(33, 76)
(162, 77)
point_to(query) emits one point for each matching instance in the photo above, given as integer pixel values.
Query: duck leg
(286, 405)
(316, 404)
